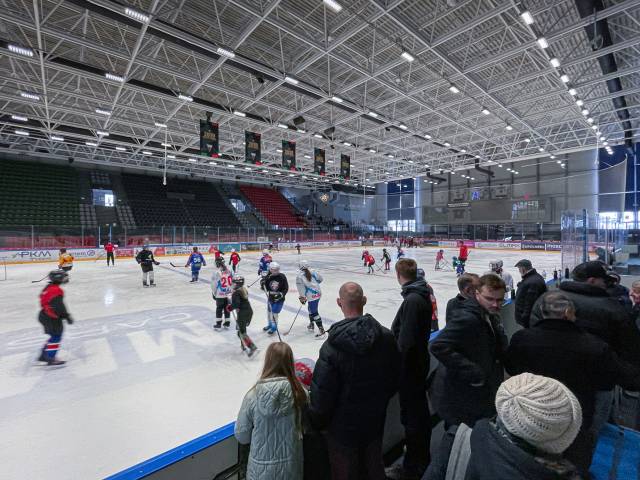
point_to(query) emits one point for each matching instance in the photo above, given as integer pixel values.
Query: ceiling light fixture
(225, 52)
(585, 112)
(373, 114)
(407, 56)
(239, 113)
(527, 17)
(121, 149)
(337, 99)
(185, 98)
(282, 125)
(23, 133)
(291, 80)
(24, 51)
(301, 130)
(19, 118)
(403, 126)
(454, 89)
(114, 77)
(447, 144)
(56, 138)
(91, 144)
(160, 125)
(346, 144)
(102, 133)
(579, 102)
(427, 136)
(172, 157)
(101, 111)
(147, 152)
(317, 135)
(168, 145)
(555, 62)
(30, 96)
(573, 92)
(485, 111)
(333, 5)
(565, 78)
(139, 16)
(509, 127)
(543, 42)
(590, 120)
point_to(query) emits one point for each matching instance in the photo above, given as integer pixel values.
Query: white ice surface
(145, 370)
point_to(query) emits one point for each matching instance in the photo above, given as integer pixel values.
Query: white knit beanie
(539, 410)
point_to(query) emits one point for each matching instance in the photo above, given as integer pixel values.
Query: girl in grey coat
(270, 419)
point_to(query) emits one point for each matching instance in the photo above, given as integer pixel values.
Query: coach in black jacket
(411, 327)
(470, 350)
(530, 288)
(354, 378)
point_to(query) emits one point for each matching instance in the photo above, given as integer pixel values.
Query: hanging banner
(252, 148)
(318, 161)
(345, 166)
(289, 155)
(209, 139)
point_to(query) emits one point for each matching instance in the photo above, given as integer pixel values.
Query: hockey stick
(254, 282)
(36, 281)
(294, 320)
(98, 258)
(175, 266)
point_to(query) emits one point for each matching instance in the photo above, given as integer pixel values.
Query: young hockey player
(400, 253)
(221, 286)
(240, 303)
(298, 248)
(109, 248)
(217, 254)
(234, 259)
(364, 256)
(52, 312)
(386, 258)
(463, 255)
(369, 262)
(308, 283)
(146, 260)
(197, 261)
(276, 287)
(65, 261)
(439, 259)
(458, 266)
(263, 263)
(496, 267)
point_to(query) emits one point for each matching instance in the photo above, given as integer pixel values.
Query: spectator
(618, 291)
(555, 347)
(537, 419)
(597, 312)
(470, 351)
(467, 286)
(530, 288)
(411, 328)
(270, 418)
(355, 376)
(634, 296)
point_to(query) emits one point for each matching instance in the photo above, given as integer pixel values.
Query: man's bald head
(351, 299)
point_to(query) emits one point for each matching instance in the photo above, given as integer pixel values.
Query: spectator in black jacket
(411, 327)
(467, 286)
(537, 419)
(555, 347)
(530, 288)
(355, 376)
(619, 292)
(470, 351)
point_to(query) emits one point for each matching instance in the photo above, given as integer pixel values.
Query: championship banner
(252, 148)
(345, 166)
(289, 155)
(318, 161)
(209, 139)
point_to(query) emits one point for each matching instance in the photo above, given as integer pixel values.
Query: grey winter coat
(268, 421)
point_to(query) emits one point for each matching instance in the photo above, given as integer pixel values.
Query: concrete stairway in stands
(250, 218)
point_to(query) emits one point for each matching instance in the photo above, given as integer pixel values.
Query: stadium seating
(273, 206)
(180, 202)
(38, 194)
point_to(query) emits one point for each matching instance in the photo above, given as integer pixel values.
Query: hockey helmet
(58, 276)
(274, 267)
(495, 265)
(145, 247)
(304, 265)
(366, 252)
(195, 249)
(233, 250)
(238, 281)
(219, 262)
(420, 273)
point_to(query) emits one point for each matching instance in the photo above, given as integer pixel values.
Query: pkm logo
(32, 254)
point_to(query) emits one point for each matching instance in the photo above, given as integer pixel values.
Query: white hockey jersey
(221, 283)
(309, 288)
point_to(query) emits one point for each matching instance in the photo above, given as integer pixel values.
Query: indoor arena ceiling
(400, 86)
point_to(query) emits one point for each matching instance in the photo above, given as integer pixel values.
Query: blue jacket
(196, 260)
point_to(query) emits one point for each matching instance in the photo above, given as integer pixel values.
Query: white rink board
(146, 372)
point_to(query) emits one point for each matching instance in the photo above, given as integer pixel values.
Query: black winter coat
(601, 315)
(411, 327)
(355, 376)
(529, 290)
(621, 294)
(452, 305)
(583, 362)
(495, 457)
(470, 350)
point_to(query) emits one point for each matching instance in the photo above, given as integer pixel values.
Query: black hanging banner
(252, 148)
(209, 139)
(289, 155)
(345, 166)
(318, 161)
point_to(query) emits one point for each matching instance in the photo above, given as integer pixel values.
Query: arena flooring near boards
(146, 372)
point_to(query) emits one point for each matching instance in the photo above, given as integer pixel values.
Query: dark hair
(466, 280)
(407, 268)
(492, 281)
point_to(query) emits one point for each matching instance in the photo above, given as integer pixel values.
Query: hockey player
(146, 260)
(308, 283)
(222, 288)
(52, 312)
(364, 256)
(196, 261)
(400, 253)
(109, 248)
(298, 248)
(369, 262)
(496, 268)
(386, 258)
(234, 259)
(217, 253)
(240, 302)
(65, 261)
(439, 260)
(463, 254)
(276, 287)
(458, 266)
(263, 264)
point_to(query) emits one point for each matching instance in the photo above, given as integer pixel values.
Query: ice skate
(252, 349)
(218, 326)
(226, 324)
(55, 362)
(321, 332)
(145, 284)
(152, 284)
(310, 327)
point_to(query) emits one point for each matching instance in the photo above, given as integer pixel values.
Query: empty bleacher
(38, 194)
(273, 206)
(180, 202)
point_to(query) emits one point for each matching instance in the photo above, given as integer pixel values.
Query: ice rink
(146, 372)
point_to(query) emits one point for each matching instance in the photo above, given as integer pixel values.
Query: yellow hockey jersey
(65, 260)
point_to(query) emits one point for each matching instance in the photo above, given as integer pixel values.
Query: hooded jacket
(600, 315)
(268, 421)
(355, 376)
(411, 327)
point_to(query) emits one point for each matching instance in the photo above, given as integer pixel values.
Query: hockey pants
(52, 327)
(241, 327)
(273, 312)
(314, 316)
(148, 275)
(195, 272)
(221, 308)
(110, 257)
